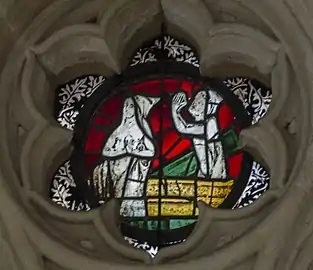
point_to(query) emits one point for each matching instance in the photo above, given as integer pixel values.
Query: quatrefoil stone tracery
(44, 142)
(71, 97)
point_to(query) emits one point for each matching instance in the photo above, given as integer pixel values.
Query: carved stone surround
(269, 40)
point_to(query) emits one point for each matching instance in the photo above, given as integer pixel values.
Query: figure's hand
(179, 101)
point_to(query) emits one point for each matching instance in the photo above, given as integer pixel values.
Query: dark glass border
(161, 52)
(77, 105)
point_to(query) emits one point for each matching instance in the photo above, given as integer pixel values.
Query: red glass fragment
(225, 116)
(235, 163)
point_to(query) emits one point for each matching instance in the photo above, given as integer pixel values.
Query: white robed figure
(128, 153)
(204, 130)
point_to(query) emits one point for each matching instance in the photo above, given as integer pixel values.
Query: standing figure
(203, 129)
(128, 153)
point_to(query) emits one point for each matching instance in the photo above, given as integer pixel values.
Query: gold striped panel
(212, 193)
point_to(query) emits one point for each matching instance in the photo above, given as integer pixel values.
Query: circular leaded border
(138, 75)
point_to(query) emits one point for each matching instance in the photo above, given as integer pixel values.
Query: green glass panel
(171, 224)
(230, 141)
(184, 166)
(138, 224)
(179, 223)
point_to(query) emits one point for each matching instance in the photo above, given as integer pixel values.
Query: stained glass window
(160, 138)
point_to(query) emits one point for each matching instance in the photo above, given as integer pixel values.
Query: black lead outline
(135, 75)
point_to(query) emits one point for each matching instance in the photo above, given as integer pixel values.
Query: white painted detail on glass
(203, 109)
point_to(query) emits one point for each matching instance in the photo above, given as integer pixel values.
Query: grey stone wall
(47, 42)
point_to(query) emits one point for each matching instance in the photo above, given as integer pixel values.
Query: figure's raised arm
(179, 102)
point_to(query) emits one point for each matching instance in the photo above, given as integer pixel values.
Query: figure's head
(205, 102)
(197, 107)
(145, 104)
(129, 108)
